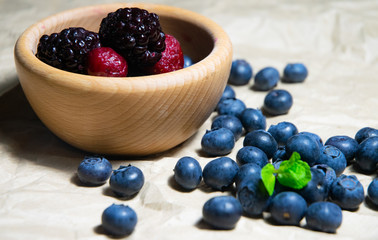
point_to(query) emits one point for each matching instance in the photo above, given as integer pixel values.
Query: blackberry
(68, 49)
(134, 33)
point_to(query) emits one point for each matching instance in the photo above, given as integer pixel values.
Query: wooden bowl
(131, 115)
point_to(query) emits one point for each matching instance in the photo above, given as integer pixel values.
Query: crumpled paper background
(41, 197)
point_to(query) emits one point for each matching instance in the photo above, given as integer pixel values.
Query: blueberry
(248, 170)
(288, 208)
(278, 102)
(372, 191)
(324, 216)
(119, 220)
(330, 174)
(253, 195)
(295, 73)
(263, 140)
(231, 122)
(306, 146)
(266, 79)
(94, 170)
(228, 92)
(241, 72)
(188, 173)
(333, 157)
(220, 173)
(231, 106)
(187, 61)
(282, 132)
(126, 181)
(218, 141)
(251, 154)
(280, 154)
(367, 154)
(347, 192)
(253, 119)
(347, 145)
(317, 188)
(364, 133)
(222, 212)
(314, 136)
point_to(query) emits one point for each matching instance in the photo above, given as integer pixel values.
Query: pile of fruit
(130, 42)
(289, 175)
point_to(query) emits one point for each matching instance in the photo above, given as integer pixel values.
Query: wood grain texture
(133, 115)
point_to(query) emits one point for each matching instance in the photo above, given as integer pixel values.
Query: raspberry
(172, 58)
(134, 33)
(104, 61)
(68, 49)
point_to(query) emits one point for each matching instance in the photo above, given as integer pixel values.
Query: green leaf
(294, 172)
(268, 177)
(295, 157)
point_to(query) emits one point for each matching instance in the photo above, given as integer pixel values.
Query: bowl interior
(196, 41)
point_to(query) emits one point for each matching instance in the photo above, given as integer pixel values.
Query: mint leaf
(294, 172)
(268, 177)
(295, 157)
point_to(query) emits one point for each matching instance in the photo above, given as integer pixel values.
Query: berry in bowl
(134, 99)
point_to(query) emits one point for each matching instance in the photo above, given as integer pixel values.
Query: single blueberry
(126, 181)
(333, 157)
(248, 170)
(324, 216)
(119, 220)
(220, 173)
(364, 133)
(187, 61)
(222, 212)
(231, 106)
(306, 146)
(347, 192)
(347, 145)
(288, 208)
(295, 73)
(367, 155)
(317, 188)
(282, 132)
(266, 79)
(94, 170)
(188, 173)
(263, 140)
(253, 195)
(228, 92)
(241, 72)
(253, 119)
(314, 136)
(330, 174)
(278, 102)
(218, 141)
(251, 154)
(231, 122)
(372, 191)
(280, 154)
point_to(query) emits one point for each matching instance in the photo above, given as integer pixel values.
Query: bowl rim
(24, 53)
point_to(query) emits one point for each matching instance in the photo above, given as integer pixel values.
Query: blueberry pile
(326, 193)
(125, 182)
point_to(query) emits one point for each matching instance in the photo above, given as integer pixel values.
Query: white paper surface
(336, 40)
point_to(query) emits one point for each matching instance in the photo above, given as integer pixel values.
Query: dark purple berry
(134, 33)
(68, 50)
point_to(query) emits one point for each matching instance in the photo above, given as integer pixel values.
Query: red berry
(172, 58)
(104, 61)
